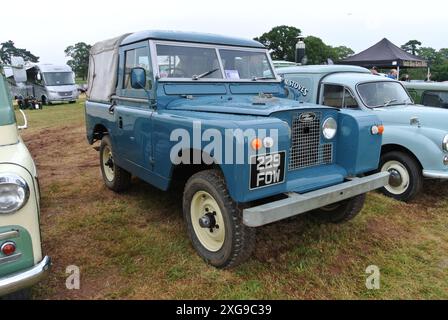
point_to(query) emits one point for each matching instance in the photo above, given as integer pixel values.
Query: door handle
(112, 109)
(120, 122)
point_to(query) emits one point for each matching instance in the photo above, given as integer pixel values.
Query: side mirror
(25, 126)
(138, 78)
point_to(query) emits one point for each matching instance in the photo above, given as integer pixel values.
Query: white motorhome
(48, 83)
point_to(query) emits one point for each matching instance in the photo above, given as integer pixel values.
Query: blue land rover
(210, 111)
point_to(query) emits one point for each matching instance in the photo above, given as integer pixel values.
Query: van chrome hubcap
(207, 221)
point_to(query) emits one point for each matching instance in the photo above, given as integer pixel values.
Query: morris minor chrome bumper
(297, 204)
(432, 174)
(24, 279)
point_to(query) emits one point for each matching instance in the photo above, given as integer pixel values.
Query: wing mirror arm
(25, 126)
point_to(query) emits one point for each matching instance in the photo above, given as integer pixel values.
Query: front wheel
(115, 178)
(406, 178)
(214, 221)
(340, 212)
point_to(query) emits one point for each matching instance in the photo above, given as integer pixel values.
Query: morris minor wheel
(339, 212)
(115, 178)
(214, 221)
(406, 179)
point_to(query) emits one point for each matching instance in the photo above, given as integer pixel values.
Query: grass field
(134, 245)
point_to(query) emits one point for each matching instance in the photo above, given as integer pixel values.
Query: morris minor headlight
(329, 128)
(445, 143)
(14, 193)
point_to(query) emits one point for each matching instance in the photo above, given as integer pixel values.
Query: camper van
(48, 83)
(53, 83)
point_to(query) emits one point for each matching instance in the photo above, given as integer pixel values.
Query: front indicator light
(377, 130)
(445, 160)
(256, 144)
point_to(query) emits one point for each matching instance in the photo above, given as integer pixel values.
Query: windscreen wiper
(387, 103)
(197, 77)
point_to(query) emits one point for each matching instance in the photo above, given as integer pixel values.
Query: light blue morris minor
(148, 89)
(415, 143)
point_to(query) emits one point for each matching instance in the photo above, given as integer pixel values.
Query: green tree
(8, 50)
(412, 46)
(340, 53)
(433, 56)
(79, 62)
(281, 41)
(317, 52)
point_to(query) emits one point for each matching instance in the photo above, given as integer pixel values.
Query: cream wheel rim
(108, 164)
(399, 177)
(204, 209)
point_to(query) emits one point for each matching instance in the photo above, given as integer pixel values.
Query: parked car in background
(22, 263)
(149, 89)
(284, 64)
(431, 94)
(415, 143)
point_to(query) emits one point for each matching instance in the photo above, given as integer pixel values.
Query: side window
(333, 96)
(349, 101)
(435, 99)
(136, 58)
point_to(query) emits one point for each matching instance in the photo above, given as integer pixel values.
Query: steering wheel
(178, 72)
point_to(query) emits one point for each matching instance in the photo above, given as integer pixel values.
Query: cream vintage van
(22, 263)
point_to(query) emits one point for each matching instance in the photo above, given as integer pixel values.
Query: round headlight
(14, 193)
(445, 143)
(329, 128)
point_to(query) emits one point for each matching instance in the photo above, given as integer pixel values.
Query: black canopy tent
(385, 54)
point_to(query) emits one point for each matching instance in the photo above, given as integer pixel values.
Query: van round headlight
(329, 128)
(445, 143)
(14, 193)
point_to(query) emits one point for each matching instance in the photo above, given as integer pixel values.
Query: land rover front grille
(306, 149)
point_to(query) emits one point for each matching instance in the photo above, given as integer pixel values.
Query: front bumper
(297, 204)
(433, 174)
(25, 279)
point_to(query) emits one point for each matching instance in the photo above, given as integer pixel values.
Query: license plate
(267, 170)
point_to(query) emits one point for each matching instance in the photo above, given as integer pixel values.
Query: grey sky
(49, 27)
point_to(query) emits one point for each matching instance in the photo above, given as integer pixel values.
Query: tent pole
(398, 71)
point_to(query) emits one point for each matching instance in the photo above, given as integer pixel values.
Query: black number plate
(267, 170)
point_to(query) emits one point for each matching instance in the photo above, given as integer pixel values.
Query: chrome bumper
(297, 204)
(24, 279)
(435, 174)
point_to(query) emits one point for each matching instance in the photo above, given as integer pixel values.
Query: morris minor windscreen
(195, 63)
(58, 78)
(383, 94)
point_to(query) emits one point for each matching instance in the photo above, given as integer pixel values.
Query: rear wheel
(340, 212)
(45, 101)
(115, 178)
(406, 178)
(214, 221)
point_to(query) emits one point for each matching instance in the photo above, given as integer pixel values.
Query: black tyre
(24, 294)
(71, 102)
(214, 221)
(45, 101)
(115, 178)
(340, 212)
(406, 178)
